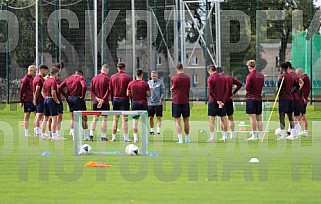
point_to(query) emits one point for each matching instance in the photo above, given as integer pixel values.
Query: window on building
(159, 60)
(119, 59)
(194, 61)
(195, 78)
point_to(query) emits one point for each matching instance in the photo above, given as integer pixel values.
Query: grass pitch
(288, 171)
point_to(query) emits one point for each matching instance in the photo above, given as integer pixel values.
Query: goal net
(118, 147)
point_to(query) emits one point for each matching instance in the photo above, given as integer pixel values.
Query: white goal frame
(78, 138)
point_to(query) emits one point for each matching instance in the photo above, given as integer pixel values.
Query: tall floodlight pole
(176, 35)
(104, 28)
(311, 50)
(95, 37)
(37, 34)
(218, 32)
(133, 37)
(8, 68)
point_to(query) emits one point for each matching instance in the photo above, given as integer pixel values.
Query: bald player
(26, 96)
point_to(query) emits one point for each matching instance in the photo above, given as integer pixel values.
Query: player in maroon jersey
(254, 86)
(138, 90)
(181, 83)
(305, 84)
(26, 96)
(38, 99)
(118, 93)
(99, 89)
(49, 91)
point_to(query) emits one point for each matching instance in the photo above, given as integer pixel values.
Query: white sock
(180, 137)
(298, 127)
(232, 135)
(113, 136)
(86, 133)
(26, 132)
(152, 130)
(158, 130)
(43, 136)
(306, 133)
(186, 137)
(260, 133)
(224, 133)
(212, 134)
(35, 130)
(71, 132)
(91, 133)
(253, 134)
(282, 134)
(103, 135)
(135, 136)
(126, 137)
(54, 136)
(293, 132)
(58, 133)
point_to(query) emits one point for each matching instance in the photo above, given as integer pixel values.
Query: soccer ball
(278, 132)
(132, 149)
(85, 149)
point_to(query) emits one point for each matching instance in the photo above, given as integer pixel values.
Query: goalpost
(78, 136)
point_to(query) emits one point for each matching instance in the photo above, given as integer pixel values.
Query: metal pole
(206, 42)
(311, 50)
(37, 34)
(8, 68)
(41, 33)
(57, 31)
(134, 37)
(155, 34)
(257, 33)
(218, 32)
(104, 28)
(176, 35)
(95, 37)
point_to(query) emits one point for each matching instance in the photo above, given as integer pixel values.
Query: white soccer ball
(278, 132)
(132, 149)
(85, 149)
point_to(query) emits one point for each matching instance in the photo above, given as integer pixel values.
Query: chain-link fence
(154, 34)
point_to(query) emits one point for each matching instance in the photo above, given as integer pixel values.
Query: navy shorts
(28, 107)
(303, 109)
(253, 107)
(138, 106)
(229, 108)
(285, 106)
(105, 106)
(214, 110)
(60, 108)
(179, 110)
(155, 110)
(40, 107)
(51, 107)
(119, 104)
(296, 108)
(76, 104)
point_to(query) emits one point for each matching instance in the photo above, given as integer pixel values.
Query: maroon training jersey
(26, 89)
(217, 88)
(99, 87)
(75, 84)
(230, 82)
(285, 92)
(49, 85)
(58, 82)
(295, 94)
(306, 88)
(118, 85)
(38, 81)
(254, 85)
(138, 89)
(181, 84)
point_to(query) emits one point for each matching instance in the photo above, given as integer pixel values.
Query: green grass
(288, 172)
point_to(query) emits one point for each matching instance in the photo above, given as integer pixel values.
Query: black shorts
(214, 110)
(51, 107)
(105, 107)
(179, 110)
(119, 104)
(303, 109)
(155, 110)
(229, 108)
(296, 108)
(28, 107)
(40, 107)
(76, 104)
(60, 108)
(285, 106)
(253, 107)
(138, 106)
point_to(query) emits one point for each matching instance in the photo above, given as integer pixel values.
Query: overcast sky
(318, 2)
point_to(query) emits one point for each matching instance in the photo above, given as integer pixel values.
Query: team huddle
(43, 95)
